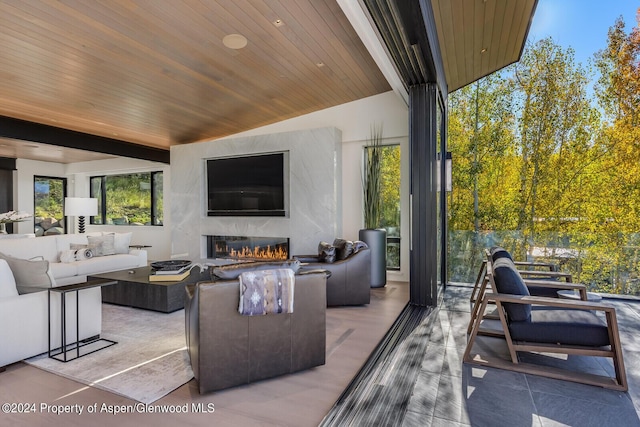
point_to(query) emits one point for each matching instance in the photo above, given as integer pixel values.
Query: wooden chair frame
(482, 289)
(614, 351)
(548, 270)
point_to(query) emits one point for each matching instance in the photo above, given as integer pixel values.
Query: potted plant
(372, 235)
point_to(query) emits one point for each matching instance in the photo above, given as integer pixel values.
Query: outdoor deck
(449, 393)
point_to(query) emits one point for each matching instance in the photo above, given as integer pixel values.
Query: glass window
(48, 205)
(390, 191)
(132, 199)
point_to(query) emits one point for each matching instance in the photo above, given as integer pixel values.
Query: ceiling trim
(363, 24)
(7, 163)
(41, 133)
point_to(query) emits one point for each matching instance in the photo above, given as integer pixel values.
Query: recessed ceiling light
(234, 41)
(278, 22)
(483, 50)
(320, 64)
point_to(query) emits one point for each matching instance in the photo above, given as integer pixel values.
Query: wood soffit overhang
(479, 37)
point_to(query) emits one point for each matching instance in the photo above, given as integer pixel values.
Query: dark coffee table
(135, 290)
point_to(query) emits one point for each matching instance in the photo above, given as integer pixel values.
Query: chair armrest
(307, 258)
(141, 254)
(551, 267)
(567, 276)
(549, 302)
(582, 289)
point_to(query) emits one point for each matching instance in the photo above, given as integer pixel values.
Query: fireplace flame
(256, 253)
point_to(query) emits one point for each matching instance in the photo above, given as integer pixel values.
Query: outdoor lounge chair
(531, 270)
(547, 325)
(544, 286)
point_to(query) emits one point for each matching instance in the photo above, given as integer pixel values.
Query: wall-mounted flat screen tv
(252, 185)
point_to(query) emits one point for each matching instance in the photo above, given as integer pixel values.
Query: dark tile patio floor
(450, 393)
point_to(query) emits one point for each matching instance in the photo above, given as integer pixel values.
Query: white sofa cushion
(45, 247)
(64, 241)
(7, 282)
(105, 264)
(64, 269)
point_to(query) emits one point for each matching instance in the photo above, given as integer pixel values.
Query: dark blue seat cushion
(498, 252)
(553, 325)
(508, 281)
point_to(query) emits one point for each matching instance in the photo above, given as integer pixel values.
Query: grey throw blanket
(266, 292)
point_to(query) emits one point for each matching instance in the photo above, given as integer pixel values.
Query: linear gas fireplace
(248, 248)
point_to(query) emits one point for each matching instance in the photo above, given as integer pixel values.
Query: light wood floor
(301, 399)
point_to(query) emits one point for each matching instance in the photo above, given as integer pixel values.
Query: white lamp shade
(80, 206)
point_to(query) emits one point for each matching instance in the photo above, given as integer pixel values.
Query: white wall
(23, 187)
(355, 119)
(314, 211)
(158, 237)
(78, 174)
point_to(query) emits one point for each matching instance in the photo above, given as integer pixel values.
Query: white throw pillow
(68, 256)
(7, 281)
(122, 242)
(104, 245)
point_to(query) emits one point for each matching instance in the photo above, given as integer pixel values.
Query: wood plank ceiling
(156, 73)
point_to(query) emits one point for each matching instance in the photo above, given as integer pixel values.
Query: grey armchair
(350, 280)
(228, 349)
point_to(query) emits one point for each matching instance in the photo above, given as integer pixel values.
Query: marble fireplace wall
(314, 212)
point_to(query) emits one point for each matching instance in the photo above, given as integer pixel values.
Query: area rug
(149, 361)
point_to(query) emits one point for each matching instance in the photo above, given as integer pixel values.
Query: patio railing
(608, 264)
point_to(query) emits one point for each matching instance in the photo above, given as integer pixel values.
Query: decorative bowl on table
(170, 265)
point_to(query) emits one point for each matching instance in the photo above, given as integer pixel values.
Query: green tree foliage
(555, 128)
(539, 162)
(390, 186)
(481, 123)
(618, 94)
(129, 198)
(48, 197)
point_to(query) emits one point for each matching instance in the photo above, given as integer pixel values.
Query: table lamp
(80, 207)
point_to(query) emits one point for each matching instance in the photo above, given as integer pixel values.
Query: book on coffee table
(155, 277)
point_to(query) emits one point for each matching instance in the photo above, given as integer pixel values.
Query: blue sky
(581, 24)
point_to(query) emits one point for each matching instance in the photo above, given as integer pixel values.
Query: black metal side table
(61, 352)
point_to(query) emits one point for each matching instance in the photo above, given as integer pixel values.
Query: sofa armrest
(307, 258)
(142, 256)
(28, 314)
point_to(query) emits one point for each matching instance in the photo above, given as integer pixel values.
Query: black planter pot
(377, 242)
